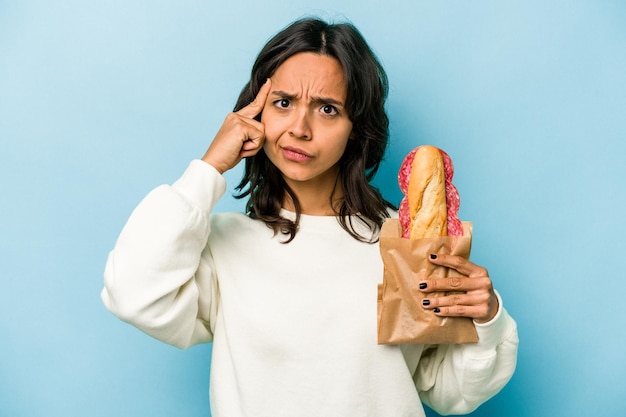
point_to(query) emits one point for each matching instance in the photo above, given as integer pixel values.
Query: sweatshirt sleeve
(156, 277)
(456, 379)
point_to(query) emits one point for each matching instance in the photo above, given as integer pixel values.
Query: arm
(155, 277)
(456, 379)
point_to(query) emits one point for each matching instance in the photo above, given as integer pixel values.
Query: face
(306, 124)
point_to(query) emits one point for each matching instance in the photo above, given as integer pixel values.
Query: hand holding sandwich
(479, 300)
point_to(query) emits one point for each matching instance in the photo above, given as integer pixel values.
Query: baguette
(431, 202)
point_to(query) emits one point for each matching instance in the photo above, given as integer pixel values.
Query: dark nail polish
(436, 310)
(425, 302)
(422, 285)
(433, 256)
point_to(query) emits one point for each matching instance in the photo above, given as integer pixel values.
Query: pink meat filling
(453, 200)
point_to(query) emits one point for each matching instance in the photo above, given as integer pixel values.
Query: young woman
(287, 291)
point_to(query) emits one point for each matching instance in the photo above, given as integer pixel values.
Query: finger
(252, 131)
(456, 299)
(243, 127)
(455, 283)
(251, 147)
(460, 264)
(253, 109)
(239, 133)
(462, 311)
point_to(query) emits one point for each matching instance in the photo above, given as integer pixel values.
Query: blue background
(102, 101)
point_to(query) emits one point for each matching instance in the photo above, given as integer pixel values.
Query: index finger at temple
(254, 108)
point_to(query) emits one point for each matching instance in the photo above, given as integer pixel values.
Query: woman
(287, 291)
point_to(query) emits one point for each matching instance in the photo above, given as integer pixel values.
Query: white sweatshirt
(293, 325)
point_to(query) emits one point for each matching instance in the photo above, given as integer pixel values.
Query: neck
(316, 199)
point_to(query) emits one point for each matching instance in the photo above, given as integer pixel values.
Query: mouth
(296, 154)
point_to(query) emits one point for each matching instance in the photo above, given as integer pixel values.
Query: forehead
(314, 72)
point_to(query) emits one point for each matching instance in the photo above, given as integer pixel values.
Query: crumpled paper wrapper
(401, 317)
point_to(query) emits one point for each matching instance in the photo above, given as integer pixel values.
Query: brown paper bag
(401, 317)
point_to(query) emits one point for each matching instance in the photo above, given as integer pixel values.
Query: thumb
(253, 109)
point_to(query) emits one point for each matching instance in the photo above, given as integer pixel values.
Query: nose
(300, 126)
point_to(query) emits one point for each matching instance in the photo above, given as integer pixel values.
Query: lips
(296, 154)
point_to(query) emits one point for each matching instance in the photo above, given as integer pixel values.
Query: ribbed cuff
(496, 330)
(201, 185)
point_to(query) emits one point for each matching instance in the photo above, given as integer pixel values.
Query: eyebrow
(320, 100)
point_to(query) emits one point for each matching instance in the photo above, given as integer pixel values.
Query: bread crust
(426, 194)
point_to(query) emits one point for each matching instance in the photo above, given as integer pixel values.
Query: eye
(282, 103)
(329, 110)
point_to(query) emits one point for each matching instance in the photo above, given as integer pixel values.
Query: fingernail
(433, 256)
(425, 302)
(436, 310)
(422, 285)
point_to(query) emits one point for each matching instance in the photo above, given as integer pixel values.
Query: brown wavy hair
(365, 104)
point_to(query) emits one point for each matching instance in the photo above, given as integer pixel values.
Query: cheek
(343, 150)
(347, 134)
(337, 138)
